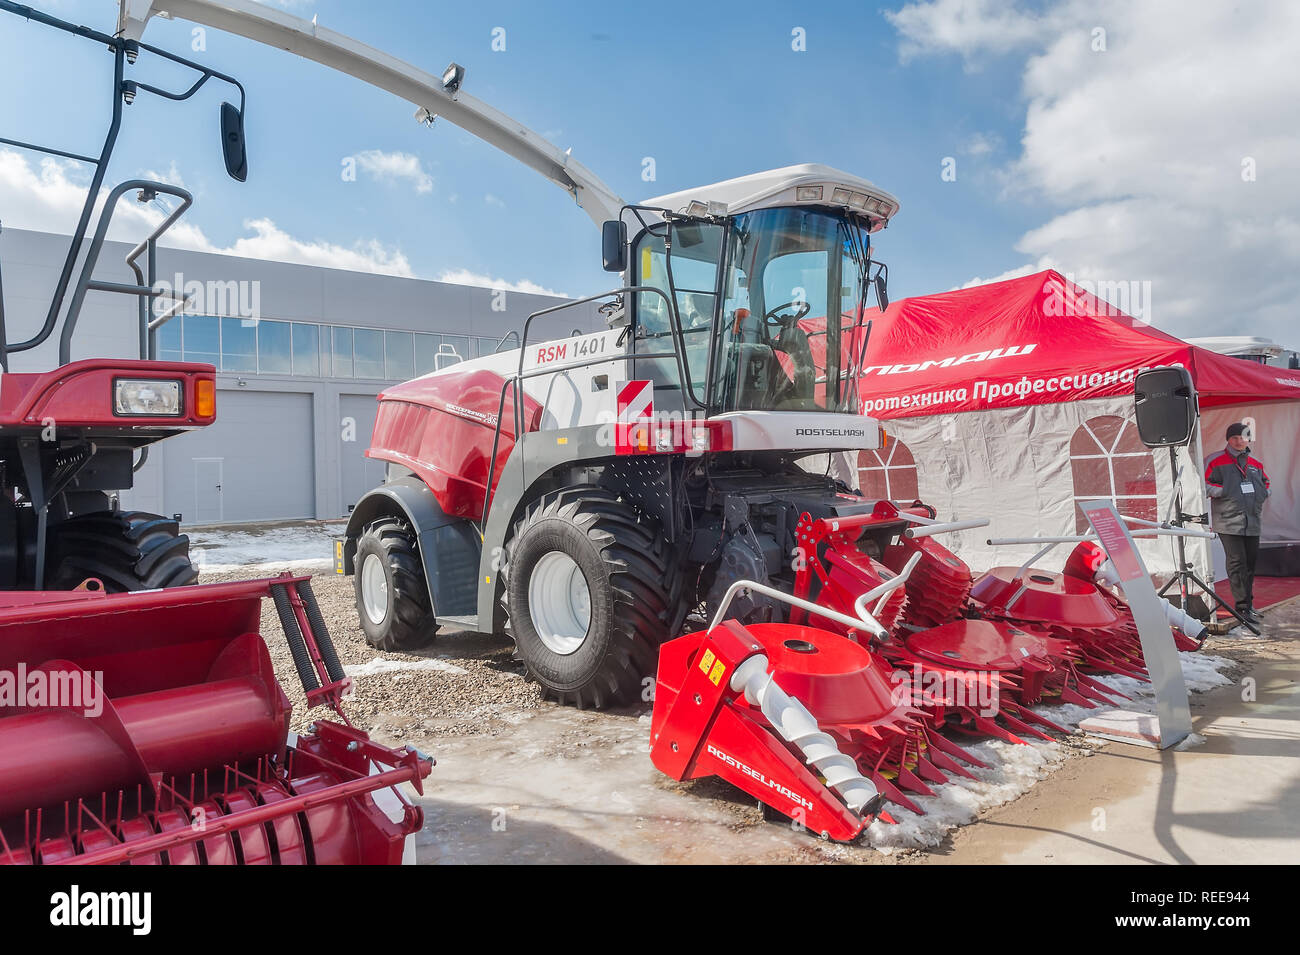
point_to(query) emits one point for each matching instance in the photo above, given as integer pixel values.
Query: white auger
(796, 725)
(1178, 618)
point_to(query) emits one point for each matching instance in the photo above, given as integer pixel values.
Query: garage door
(256, 463)
(357, 473)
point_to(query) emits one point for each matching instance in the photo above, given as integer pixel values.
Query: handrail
(97, 243)
(523, 340)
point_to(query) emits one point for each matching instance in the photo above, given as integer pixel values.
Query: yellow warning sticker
(706, 661)
(647, 264)
(715, 675)
(338, 557)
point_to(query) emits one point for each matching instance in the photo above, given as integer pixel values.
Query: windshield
(791, 317)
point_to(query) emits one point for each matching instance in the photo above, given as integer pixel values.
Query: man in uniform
(1238, 487)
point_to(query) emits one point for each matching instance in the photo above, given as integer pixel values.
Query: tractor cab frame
(73, 437)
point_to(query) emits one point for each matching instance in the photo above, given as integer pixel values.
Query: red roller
(163, 739)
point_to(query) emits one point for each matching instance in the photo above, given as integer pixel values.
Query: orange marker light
(205, 398)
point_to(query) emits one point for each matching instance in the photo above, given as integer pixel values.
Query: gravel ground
(459, 684)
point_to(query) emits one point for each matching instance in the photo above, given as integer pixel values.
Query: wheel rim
(374, 589)
(559, 603)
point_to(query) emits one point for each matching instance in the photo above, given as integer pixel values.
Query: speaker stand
(1185, 575)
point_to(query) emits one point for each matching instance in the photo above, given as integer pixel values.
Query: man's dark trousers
(1240, 550)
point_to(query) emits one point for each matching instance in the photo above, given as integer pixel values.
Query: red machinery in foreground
(140, 718)
(149, 729)
(824, 721)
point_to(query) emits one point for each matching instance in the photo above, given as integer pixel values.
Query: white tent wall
(1275, 441)
(1013, 466)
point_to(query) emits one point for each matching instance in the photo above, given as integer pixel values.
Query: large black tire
(631, 583)
(405, 612)
(127, 550)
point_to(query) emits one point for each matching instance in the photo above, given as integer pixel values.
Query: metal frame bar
(868, 622)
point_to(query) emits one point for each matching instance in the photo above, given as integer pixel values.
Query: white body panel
(586, 396)
(800, 430)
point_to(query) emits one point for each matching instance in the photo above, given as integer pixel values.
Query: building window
(1109, 462)
(888, 473)
(462, 344)
(369, 349)
(399, 355)
(273, 349)
(169, 341)
(426, 347)
(239, 344)
(306, 349)
(342, 364)
(201, 335)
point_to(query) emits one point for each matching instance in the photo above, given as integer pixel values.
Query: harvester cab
(761, 282)
(73, 437)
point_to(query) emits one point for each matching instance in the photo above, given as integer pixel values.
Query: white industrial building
(296, 381)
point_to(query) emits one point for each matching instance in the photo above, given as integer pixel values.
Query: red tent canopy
(1034, 340)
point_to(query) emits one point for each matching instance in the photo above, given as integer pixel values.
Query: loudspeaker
(1165, 406)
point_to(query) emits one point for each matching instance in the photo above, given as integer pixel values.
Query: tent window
(889, 473)
(1109, 462)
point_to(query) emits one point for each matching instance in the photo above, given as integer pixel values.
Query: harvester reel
(392, 596)
(586, 589)
(125, 550)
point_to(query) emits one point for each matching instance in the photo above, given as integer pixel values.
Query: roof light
(841, 196)
(858, 200)
(452, 77)
(808, 194)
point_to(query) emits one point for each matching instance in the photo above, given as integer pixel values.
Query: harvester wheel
(127, 550)
(586, 587)
(392, 597)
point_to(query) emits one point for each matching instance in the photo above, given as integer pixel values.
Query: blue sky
(709, 91)
(1117, 162)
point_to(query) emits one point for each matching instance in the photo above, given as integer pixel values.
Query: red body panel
(174, 745)
(442, 428)
(80, 395)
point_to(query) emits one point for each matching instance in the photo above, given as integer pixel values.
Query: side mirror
(613, 245)
(232, 142)
(882, 292)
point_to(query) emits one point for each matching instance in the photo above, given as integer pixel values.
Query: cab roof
(810, 184)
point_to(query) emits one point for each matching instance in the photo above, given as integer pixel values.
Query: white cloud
(1017, 273)
(494, 201)
(968, 27)
(48, 198)
(466, 277)
(980, 144)
(395, 167)
(1142, 147)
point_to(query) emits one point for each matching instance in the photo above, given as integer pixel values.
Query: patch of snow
(1013, 769)
(379, 666)
(292, 547)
